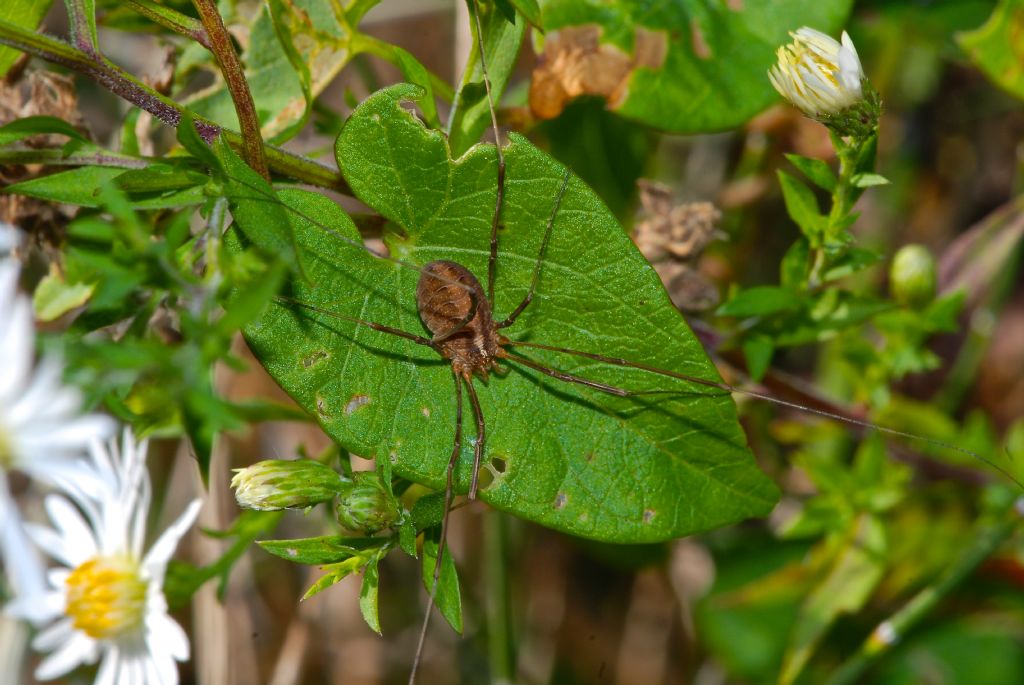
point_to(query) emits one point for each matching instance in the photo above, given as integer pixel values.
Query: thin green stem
(842, 202)
(992, 532)
(498, 608)
(172, 20)
(238, 87)
(124, 85)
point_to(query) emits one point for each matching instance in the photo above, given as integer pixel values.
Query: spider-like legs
(442, 543)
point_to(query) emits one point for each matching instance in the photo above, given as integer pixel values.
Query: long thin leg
(492, 260)
(540, 257)
(570, 378)
(442, 543)
(850, 420)
(419, 340)
(481, 436)
(270, 198)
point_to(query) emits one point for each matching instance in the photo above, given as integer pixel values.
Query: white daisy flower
(41, 431)
(817, 74)
(106, 601)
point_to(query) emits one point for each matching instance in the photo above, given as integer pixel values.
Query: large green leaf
(616, 469)
(685, 66)
(998, 46)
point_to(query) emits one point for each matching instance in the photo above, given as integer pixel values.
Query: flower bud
(912, 276)
(275, 484)
(367, 506)
(824, 79)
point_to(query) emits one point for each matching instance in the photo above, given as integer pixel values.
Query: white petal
(164, 634)
(59, 633)
(16, 342)
(78, 649)
(79, 540)
(39, 609)
(163, 548)
(110, 670)
(848, 44)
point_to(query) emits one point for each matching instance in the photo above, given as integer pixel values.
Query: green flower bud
(912, 276)
(367, 506)
(280, 484)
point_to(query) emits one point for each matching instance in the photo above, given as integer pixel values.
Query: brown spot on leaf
(321, 408)
(575, 62)
(735, 5)
(700, 45)
(561, 500)
(426, 412)
(649, 515)
(356, 402)
(314, 359)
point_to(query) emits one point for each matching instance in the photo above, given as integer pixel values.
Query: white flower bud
(817, 74)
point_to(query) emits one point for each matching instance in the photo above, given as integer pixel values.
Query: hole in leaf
(321, 408)
(314, 358)
(498, 464)
(356, 402)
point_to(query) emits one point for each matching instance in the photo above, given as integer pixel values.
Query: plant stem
(238, 87)
(842, 203)
(124, 85)
(499, 616)
(172, 20)
(989, 536)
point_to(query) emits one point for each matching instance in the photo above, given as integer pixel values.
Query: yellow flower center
(106, 597)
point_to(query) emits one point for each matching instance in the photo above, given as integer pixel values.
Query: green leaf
(685, 66)
(997, 47)
(856, 571)
(868, 180)
(447, 598)
(530, 11)
(368, 596)
(54, 296)
(470, 113)
(760, 301)
(256, 208)
(329, 549)
(758, 350)
(796, 264)
(819, 173)
(856, 259)
(190, 139)
(79, 187)
(428, 511)
(19, 129)
(415, 72)
(380, 395)
(802, 206)
(24, 13)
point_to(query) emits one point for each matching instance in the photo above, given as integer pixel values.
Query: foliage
(173, 255)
